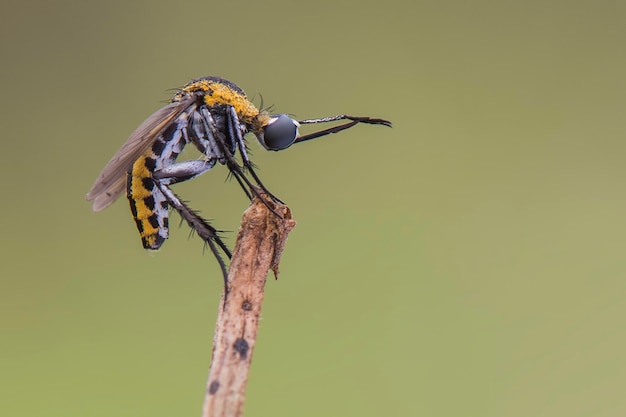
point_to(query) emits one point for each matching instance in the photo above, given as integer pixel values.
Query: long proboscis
(354, 120)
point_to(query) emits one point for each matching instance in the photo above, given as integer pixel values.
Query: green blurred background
(468, 262)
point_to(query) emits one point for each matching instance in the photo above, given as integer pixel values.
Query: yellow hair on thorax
(218, 93)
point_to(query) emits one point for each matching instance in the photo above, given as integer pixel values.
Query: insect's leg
(183, 171)
(208, 146)
(215, 137)
(234, 130)
(209, 141)
(201, 226)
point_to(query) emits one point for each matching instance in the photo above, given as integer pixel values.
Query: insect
(214, 115)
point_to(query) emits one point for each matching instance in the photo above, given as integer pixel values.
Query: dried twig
(260, 241)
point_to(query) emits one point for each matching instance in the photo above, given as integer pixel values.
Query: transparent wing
(111, 181)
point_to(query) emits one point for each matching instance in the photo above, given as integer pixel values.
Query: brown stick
(260, 241)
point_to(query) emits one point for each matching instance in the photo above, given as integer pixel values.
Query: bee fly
(214, 115)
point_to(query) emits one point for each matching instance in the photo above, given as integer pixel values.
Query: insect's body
(207, 96)
(213, 114)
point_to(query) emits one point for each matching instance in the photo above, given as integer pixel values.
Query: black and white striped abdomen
(148, 205)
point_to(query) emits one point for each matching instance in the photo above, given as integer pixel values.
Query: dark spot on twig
(213, 387)
(246, 305)
(241, 347)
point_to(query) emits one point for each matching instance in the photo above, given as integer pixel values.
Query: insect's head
(279, 133)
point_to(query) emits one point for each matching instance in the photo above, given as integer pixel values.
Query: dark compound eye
(280, 132)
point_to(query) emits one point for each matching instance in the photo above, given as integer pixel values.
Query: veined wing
(111, 181)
